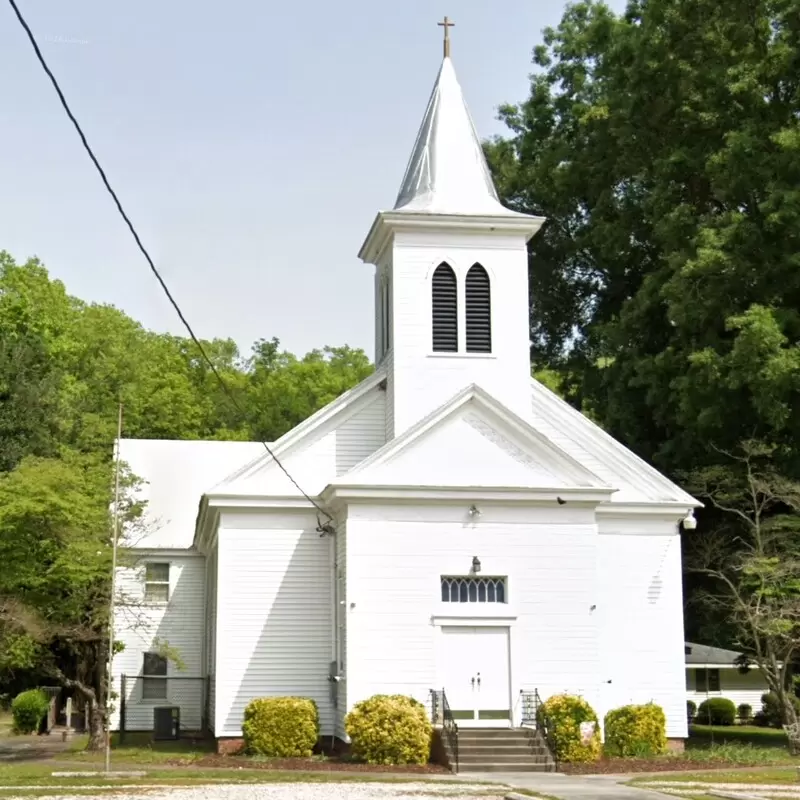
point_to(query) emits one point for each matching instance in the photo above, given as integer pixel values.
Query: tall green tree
(55, 573)
(663, 146)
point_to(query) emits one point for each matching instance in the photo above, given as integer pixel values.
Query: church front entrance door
(475, 675)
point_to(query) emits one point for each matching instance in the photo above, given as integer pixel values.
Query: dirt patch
(306, 765)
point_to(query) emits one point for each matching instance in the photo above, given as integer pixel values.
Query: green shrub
(745, 712)
(636, 731)
(281, 727)
(28, 709)
(716, 711)
(389, 729)
(691, 710)
(562, 716)
(771, 710)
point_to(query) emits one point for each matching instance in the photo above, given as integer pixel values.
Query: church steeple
(447, 172)
(451, 277)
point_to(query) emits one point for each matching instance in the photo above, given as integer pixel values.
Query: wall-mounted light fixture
(689, 522)
(476, 564)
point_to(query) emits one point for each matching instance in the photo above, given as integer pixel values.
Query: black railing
(442, 716)
(533, 715)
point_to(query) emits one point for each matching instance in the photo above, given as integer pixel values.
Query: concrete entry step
(525, 766)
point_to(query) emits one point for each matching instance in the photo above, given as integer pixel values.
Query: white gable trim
(504, 494)
(341, 408)
(608, 449)
(576, 471)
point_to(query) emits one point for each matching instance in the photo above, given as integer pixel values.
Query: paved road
(569, 787)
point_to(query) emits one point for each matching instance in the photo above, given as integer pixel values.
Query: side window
(444, 307)
(478, 296)
(707, 680)
(154, 677)
(156, 583)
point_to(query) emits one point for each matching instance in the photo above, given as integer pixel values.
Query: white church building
(477, 533)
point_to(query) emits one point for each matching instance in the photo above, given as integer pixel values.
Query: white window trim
(162, 678)
(151, 601)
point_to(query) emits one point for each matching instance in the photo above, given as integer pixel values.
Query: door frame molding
(498, 621)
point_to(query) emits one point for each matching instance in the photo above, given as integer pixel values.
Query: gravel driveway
(300, 791)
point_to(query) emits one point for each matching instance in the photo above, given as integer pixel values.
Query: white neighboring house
(485, 537)
(716, 672)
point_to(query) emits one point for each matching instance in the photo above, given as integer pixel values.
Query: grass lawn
(705, 735)
(139, 748)
(760, 776)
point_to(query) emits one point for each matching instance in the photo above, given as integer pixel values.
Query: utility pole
(114, 539)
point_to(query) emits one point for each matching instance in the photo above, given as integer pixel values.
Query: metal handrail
(440, 712)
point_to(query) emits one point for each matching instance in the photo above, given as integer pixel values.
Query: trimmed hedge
(28, 709)
(389, 729)
(281, 727)
(562, 715)
(716, 711)
(691, 710)
(745, 712)
(636, 731)
(771, 710)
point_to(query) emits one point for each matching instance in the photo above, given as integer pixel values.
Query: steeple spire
(447, 172)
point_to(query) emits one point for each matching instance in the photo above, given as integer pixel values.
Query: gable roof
(553, 469)
(636, 480)
(702, 654)
(300, 434)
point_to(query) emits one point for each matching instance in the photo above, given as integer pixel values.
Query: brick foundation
(229, 747)
(676, 745)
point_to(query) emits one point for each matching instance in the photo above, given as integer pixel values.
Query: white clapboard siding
(331, 450)
(211, 631)
(734, 686)
(341, 619)
(396, 556)
(639, 611)
(275, 629)
(179, 624)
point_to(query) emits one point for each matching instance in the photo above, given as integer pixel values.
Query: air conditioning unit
(166, 723)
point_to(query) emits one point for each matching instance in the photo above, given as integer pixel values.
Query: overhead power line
(231, 396)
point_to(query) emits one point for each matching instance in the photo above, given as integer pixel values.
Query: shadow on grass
(704, 736)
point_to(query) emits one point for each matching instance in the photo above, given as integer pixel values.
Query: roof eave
(387, 222)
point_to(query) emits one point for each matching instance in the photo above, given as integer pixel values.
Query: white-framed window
(706, 680)
(156, 583)
(154, 677)
(473, 589)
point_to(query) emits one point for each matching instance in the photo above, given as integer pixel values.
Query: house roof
(175, 476)
(447, 172)
(705, 655)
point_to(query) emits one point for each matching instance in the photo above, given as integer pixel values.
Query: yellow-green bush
(636, 731)
(281, 727)
(562, 715)
(389, 729)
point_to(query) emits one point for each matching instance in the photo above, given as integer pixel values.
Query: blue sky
(252, 143)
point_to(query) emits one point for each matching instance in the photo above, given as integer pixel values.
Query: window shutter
(479, 310)
(445, 310)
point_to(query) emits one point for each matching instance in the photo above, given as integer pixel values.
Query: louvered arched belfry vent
(479, 310)
(445, 310)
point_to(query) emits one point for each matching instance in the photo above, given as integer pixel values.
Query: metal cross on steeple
(446, 24)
